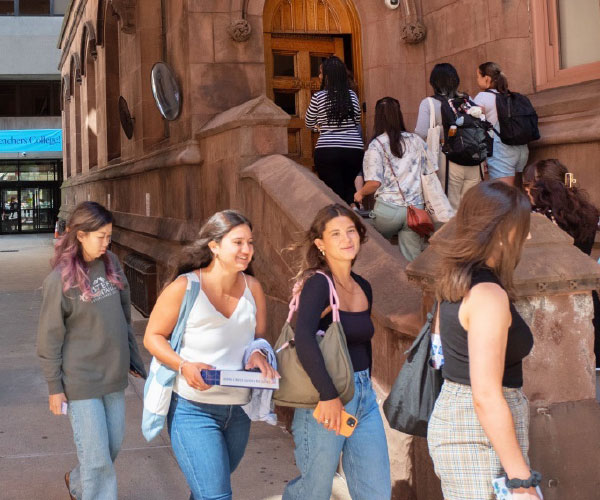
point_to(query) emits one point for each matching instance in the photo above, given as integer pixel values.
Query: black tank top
(455, 346)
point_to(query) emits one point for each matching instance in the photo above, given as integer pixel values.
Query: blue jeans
(364, 454)
(98, 429)
(209, 442)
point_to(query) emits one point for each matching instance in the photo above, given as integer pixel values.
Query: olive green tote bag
(295, 387)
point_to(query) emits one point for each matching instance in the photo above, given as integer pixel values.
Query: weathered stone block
(508, 18)
(209, 5)
(456, 28)
(563, 350)
(430, 6)
(514, 57)
(201, 42)
(565, 439)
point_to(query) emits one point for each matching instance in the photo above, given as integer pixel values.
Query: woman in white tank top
(208, 428)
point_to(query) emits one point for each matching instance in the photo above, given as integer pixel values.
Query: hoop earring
(322, 252)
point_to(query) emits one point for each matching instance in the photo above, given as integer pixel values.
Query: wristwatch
(534, 480)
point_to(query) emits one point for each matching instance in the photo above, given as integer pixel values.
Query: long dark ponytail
(494, 71)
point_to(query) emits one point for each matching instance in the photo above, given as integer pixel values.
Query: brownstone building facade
(246, 70)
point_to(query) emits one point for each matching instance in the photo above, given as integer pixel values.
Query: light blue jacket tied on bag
(159, 385)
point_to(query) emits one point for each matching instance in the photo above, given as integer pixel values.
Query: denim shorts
(507, 159)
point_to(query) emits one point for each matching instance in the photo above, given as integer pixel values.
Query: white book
(239, 378)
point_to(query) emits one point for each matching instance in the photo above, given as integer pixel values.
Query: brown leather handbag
(418, 219)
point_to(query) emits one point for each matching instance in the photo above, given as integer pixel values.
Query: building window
(8, 172)
(33, 7)
(566, 41)
(7, 7)
(29, 98)
(42, 170)
(38, 171)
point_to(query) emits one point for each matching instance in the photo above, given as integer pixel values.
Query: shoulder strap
(387, 160)
(334, 301)
(191, 294)
(431, 112)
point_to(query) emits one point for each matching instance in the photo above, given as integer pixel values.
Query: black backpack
(517, 118)
(471, 142)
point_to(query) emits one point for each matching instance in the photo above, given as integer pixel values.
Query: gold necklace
(349, 291)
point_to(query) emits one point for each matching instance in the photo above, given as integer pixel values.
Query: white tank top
(211, 338)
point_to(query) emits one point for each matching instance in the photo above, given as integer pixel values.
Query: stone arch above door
(307, 16)
(298, 34)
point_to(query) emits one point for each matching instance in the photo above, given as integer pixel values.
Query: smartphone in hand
(349, 422)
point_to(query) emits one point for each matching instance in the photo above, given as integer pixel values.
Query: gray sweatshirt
(86, 347)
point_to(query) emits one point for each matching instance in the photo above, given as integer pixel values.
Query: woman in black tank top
(478, 431)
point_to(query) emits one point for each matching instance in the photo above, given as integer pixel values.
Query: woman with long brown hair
(392, 169)
(331, 246)
(87, 346)
(478, 430)
(208, 428)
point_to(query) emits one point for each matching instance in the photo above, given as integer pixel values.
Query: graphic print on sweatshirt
(101, 289)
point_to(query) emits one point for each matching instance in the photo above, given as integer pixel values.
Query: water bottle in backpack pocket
(467, 137)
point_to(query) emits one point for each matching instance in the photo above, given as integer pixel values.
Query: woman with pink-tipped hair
(86, 347)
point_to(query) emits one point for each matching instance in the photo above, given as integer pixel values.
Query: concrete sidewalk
(36, 447)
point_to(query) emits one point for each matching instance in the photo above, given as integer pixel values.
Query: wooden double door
(294, 66)
(299, 35)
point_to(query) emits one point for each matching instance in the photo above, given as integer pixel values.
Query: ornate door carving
(299, 34)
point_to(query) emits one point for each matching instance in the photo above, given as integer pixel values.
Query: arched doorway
(299, 34)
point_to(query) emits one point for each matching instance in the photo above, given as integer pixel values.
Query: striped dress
(346, 135)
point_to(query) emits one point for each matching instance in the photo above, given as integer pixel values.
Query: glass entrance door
(28, 209)
(37, 207)
(9, 198)
(45, 218)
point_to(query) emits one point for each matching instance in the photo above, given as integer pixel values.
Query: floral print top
(406, 176)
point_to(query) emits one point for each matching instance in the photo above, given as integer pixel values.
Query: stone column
(553, 283)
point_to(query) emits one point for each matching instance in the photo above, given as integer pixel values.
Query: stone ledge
(258, 111)
(568, 115)
(182, 154)
(159, 250)
(550, 263)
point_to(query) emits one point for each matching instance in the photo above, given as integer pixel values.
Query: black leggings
(338, 167)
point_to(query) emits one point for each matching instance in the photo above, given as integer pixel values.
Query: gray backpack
(413, 395)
